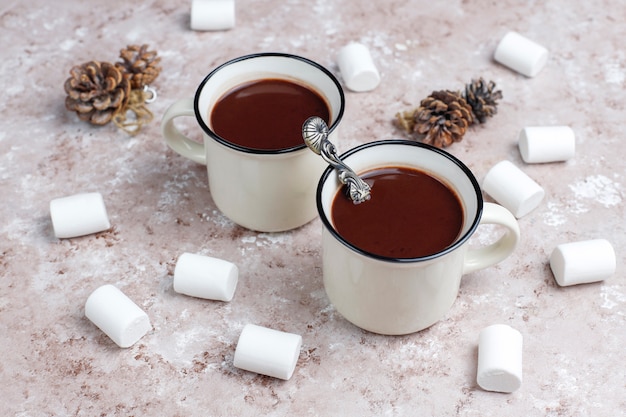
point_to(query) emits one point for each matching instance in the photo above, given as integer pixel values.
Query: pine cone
(139, 65)
(443, 117)
(482, 99)
(96, 91)
(406, 120)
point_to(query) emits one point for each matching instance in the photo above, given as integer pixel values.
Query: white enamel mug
(262, 190)
(401, 296)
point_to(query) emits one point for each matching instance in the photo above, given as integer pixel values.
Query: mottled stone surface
(57, 363)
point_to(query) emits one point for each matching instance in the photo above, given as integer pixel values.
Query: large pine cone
(482, 98)
(443, 117)
(139, 65)
(96, 91)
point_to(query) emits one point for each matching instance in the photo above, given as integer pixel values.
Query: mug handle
(493, 253)
(175, 139)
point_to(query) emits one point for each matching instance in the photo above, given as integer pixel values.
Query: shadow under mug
(262, 190)
(401, 296)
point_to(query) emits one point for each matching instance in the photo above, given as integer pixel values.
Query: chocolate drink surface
(410, 214)
(266, 114)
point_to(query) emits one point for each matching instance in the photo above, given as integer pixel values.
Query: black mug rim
(457, 243)
(218, 138)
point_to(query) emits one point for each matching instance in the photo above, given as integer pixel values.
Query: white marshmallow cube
(357, 68)
(583, 262)
(539, 144)
(267, 351)
(512, 188)
(117, 315)
(78, 215)
(212, 14)
(205, 277)
(521, 54)
(499, 359)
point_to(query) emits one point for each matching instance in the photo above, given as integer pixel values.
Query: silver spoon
(315, 135)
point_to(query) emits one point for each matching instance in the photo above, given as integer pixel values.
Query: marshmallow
(521, 54)
(512, 188)
(357, 68)
(78, 215)
(205, 277)
(117, 316)
(212, 14)
(546, 144)
(583, 262)
(268, 352)
(499, 359)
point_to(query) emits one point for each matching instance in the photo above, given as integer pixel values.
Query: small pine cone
(96, 91)
(406, 121)
(139, 65)
(482, 99)
(443, 117)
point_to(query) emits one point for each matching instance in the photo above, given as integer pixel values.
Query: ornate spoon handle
(315, 135)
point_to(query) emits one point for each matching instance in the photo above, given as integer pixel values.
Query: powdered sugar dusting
(614, 70)
(598, 188)
(485, 235)
(554, 216)
(612, 298)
